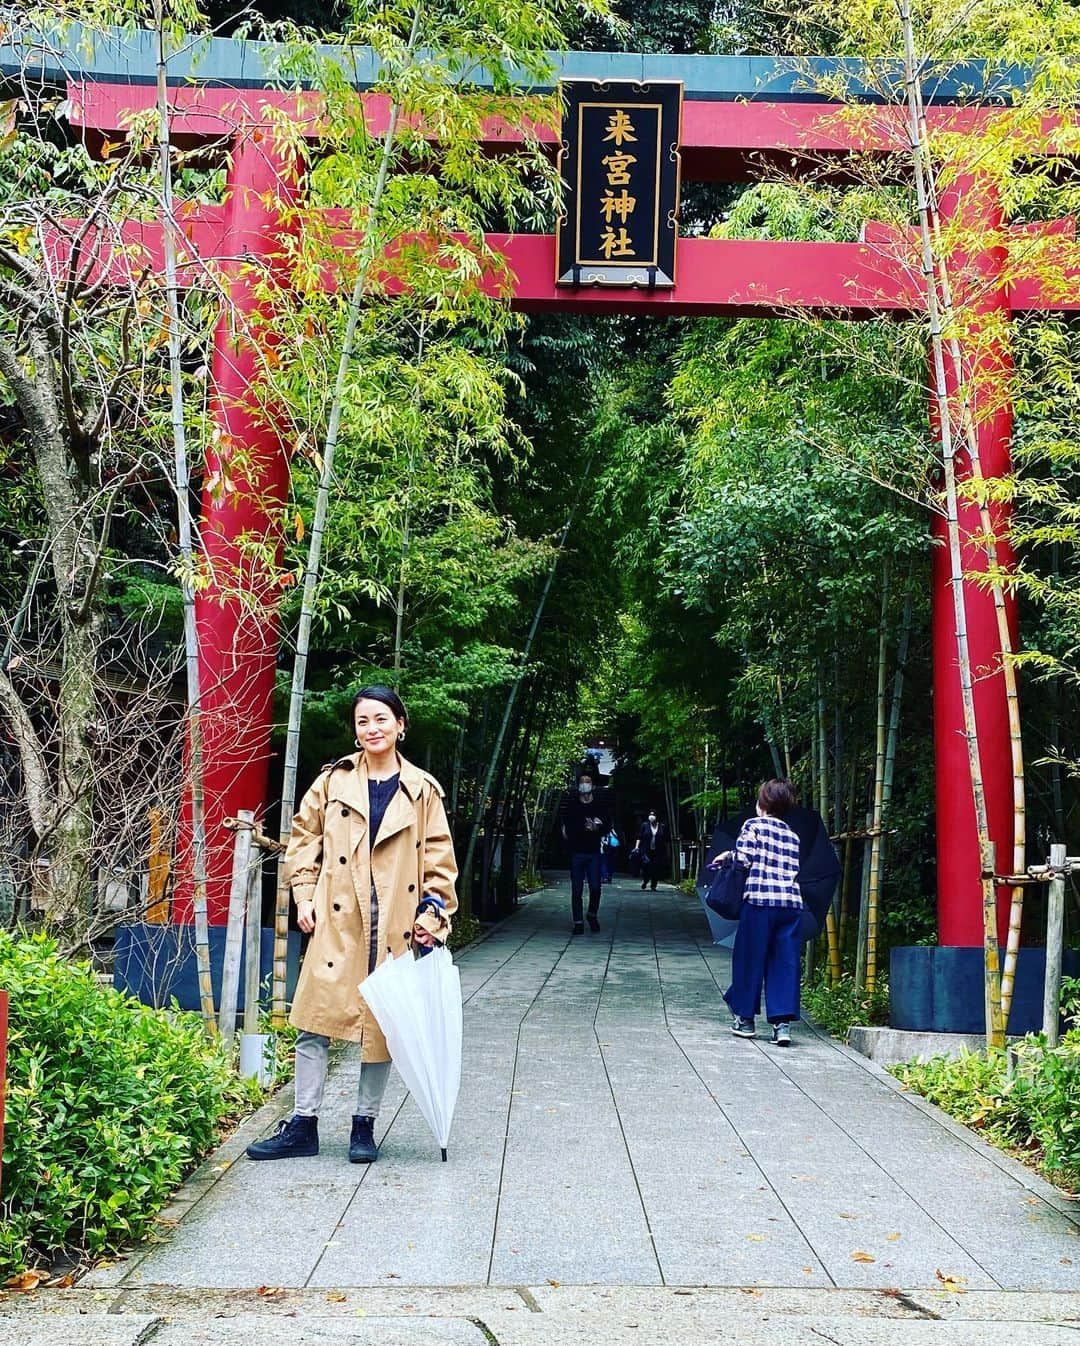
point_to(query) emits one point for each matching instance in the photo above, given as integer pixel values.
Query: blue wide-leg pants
(767, 952)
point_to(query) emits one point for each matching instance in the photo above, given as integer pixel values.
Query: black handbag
(725, 895)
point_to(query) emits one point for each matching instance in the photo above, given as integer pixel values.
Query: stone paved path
(612, 1132)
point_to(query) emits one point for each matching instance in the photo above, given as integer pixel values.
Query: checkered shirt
(769, 849)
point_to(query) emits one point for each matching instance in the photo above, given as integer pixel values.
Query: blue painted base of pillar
(156, 964)
(939, 989)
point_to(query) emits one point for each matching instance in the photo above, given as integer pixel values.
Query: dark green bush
(109, 1103)
(837, 1007)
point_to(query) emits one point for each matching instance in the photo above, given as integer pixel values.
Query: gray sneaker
(781, 1035)
(742, 1028)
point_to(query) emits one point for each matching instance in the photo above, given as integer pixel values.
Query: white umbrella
(417, 1002)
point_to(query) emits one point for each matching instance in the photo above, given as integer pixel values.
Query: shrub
(837, 1007)
(1034, 1107)
(109, 1103)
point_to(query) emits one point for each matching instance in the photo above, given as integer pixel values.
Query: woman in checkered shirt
(768, 944)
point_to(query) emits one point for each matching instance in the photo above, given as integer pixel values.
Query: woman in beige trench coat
(371, 865)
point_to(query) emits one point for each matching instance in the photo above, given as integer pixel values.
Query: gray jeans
(312, 1062)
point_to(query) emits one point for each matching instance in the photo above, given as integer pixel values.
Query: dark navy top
(380, 793)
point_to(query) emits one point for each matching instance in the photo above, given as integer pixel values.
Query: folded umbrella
(417, 1002)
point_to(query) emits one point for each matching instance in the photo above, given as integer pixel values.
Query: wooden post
(253, 944)
(238, 889)
(1055, 938)
(158, 865)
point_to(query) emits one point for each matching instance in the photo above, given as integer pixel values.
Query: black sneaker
(594, 923)
(362, 1147)
(742, 1028)
(579, 927)
(298, 1138)
(781, 1035)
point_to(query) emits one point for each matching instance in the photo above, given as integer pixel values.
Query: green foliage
(837, 1008)
(109, 1104)
(1034, 1108)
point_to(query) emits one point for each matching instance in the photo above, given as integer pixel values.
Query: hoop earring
(358, 744)
(401, 737)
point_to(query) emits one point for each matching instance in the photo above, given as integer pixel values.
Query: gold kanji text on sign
(618, 169)
(620, 128)
(616, 243)
(621, 206)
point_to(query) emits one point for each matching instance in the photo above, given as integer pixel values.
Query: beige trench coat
(329, 862)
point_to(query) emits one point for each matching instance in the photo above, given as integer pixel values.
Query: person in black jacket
(585, 823)
(652, 844)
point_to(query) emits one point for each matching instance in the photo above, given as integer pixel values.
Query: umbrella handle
(444, 1156)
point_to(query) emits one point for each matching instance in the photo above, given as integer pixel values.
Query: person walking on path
(371, 865)
(652, 842)
(768, 941)
(585, 823)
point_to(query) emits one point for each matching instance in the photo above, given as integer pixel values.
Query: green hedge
(109, 1103)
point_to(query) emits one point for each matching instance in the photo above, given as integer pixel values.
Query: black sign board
(619, 165)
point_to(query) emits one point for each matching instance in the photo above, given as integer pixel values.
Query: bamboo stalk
(873, 891)
(832, 934)
(314, 559)
(997, 591)
(184, 532)
(861, 936)
(995, 1030)
(849, 845)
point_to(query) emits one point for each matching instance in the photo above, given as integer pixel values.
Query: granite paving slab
(612, 1132)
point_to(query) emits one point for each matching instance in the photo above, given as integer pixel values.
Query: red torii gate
(722, 139)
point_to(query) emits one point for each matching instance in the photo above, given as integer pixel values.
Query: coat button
(337, 906)
(345, 813)
(406, 934)
(329, 965)
(412, 887)
(417, 845)
(343, 860)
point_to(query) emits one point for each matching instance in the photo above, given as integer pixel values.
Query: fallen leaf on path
(950, 1282)
(755, 1238)
(808, 1271)
(848, 1215)
(27, 1280)
(894, 1237)
(860, 1256)
(336, 1297)
(269, 1291)
(1066, 1261)
(63, 1282)
(556, 1284)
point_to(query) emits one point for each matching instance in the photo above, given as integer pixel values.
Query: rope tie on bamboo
(260, 839)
